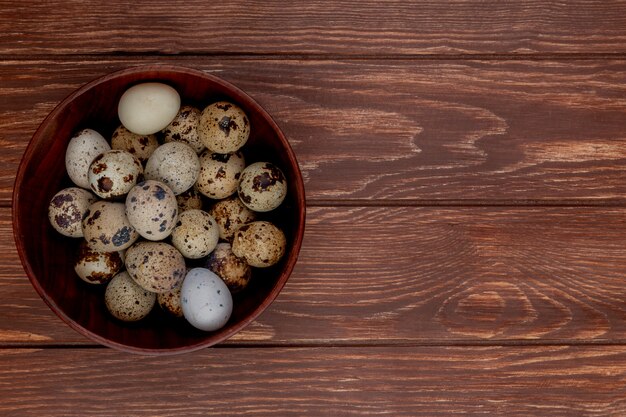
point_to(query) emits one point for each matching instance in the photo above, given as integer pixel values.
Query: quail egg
(155, 266)
(126, 300)
(82, 149)
(234, 271)
(106, 228)
(140, 146)
(113, 173)
(97, 267)
(170, 302)
(260, 243)
(152, 209)
(229, 215)
(263, 186)
(219, 174)
(146, 108)
(189, 200)
(206, 301)
(67, 208)
(196, 234)
(175, 164)
(223, 127)
(184, 128)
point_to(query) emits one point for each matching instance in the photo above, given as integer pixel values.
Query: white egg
(206, 301)
(81, 151)
(147, 108)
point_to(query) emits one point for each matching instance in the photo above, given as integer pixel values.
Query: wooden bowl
(48, 257)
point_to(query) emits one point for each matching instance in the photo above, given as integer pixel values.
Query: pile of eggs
(138, 206)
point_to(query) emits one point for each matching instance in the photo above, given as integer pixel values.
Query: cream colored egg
(260, 243)
(234, 271)
(170, 302)
(230, 214)
(175, 164)
(67, 208)
(219, 174)
(113, 173)
(152, 209)
(96, 267)
(126, 300)
(263, 187)
(155, 266)
(106, 227)
(146, 108)
(184, 128)
(140, 146)
(196, 234)
(223, 127)
(81, 151)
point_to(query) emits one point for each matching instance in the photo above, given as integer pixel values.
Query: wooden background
(465, 166)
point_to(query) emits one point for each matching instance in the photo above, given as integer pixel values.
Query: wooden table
(465, 166)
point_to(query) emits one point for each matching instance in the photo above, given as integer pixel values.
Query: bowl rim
(210, 340)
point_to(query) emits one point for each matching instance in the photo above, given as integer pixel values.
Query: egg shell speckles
(223, 127)
(174, 164)
(260, 243)
(263, 187)
(81, 151)
(113, 173)
(126, 300)
(230, 214)
(234, 271)
(97, 267)
(189, 200)
(196, 234)
(140, 146)
(170, 302)
(67, 208)
(206, 301)
(106, 227)
(148, 107)
(152, 209)
(155, 266)
(219, 174)
(184, 128)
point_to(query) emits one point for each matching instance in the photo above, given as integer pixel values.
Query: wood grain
(415, 275)
(544, 381)
(372, 130)
(340, 27)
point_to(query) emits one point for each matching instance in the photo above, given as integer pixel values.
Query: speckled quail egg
(223, 127)
(155, 266)
(170, 302)
(206, 301)
(97, 267)
(196, 234)
(126, 300)
(229, 215)
(219, 174)
(175, 164)
(81, 150)
(263, 186)
(184, 128)
(140, 146)
(67, 208)
(189, 200)
(234, 271)
(113, 173)
(152, 209)
(147, 108)
(106, 227)
(260, 243)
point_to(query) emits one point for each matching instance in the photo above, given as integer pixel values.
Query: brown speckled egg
(67, 208)
(106, 228)
(219, 174)
(155, 266)
(230, 214)
(234, 271)
(175, 164)
(263, 186)
(170, 302)
(189, 200)
(126, 300)
(113, 173)
(260, 243)
(81, 150)
(223, 127)
(140, 146)
(152, 209)
(196, 234)
(184, 128)
(97, 267)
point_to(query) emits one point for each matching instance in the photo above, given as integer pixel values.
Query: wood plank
(341, 27)
(432, 381)
(415, 275)
(408, 130)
